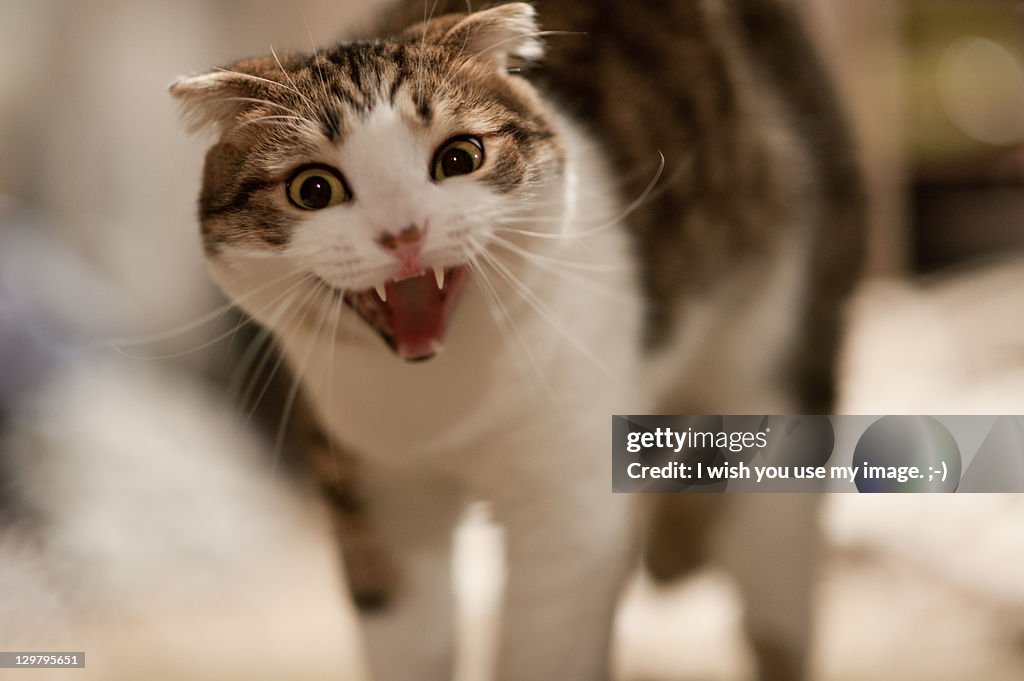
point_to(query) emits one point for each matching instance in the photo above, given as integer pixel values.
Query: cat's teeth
(382, 292)
(439, 277)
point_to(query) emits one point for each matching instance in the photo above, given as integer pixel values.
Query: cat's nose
(408, 237)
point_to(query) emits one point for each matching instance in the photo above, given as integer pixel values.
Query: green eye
(458, 156)
(316, 188)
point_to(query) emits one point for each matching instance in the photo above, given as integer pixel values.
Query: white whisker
(247, 363)
(545, 312)
(427, 16)
(291, 82)
(583, 281)
(206, 344)
(257, 100)
(542, 258)
(626, 212)
(263, 119)
(260, 79)
(316, 53)
(215, 315)
(338, 303)
(290, 306)
(503, 318)
(300, 373)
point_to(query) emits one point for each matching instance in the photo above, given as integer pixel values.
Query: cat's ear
(213, 100)
(506, 35)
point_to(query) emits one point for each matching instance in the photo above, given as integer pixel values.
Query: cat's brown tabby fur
(742, 255)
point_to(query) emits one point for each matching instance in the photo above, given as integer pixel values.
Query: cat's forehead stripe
(359, 76)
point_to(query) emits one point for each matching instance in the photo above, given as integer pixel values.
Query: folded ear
(504, 35)
(212, 100)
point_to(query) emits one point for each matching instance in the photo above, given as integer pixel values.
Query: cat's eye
(458, 156)
(316, 188)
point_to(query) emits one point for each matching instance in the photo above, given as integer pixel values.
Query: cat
(475, 240)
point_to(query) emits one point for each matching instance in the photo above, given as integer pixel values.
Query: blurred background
(140, 520)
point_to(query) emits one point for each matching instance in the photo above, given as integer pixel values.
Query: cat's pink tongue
(420, 311)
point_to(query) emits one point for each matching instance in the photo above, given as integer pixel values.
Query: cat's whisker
(247, 371)
(262, 119)
(625, 213)
(331, 398)
(543, 258)
(538, 201)
(263, 102)
(545, 312)
(427, 16)
(119, 344)
(299, 308)
(299, 373)
(291, 82)
(245, 322)
(275, 117)
(247, 364)
(465, 38)
(229, 333)
(506, 322)
(276, 124)
(637, 202)
(214, 315)
(260, 79)
(551, 236)
(269, 351)
(585, 282)
(316, 52)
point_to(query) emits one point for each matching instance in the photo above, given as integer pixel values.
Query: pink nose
(408, 238)
(405, 247)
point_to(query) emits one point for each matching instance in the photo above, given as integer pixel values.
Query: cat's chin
(412, 314)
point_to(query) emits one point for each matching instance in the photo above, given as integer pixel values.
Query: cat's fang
(439, 277)
(382, 292)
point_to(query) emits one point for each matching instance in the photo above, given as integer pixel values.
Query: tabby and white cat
(471, 264)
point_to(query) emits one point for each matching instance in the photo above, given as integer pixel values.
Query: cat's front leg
(772, 549)
(569, 546)
(411, 636)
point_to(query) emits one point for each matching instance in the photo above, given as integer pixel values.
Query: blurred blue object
(51, 301)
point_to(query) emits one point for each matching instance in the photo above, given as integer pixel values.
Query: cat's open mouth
(411, 315)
